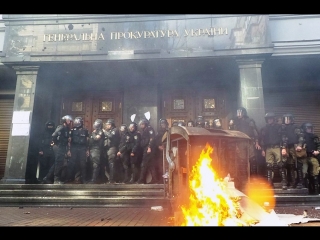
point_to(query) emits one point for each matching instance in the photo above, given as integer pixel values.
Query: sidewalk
(89, 217)
(34, 216)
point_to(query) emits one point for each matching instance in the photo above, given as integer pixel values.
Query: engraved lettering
(113, 35)
(101, 36)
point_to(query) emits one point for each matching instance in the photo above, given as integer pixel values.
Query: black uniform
(158, 158)
(311, 174)
(292, 137)
(111, 147)
(147, 138)
(79, 149)
(96, 140)
(248, 126)
(46, 154)
(62, 134)
(129, 150)
(271, 141)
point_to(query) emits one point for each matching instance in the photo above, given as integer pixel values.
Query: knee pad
(269, 166)
(281, 164)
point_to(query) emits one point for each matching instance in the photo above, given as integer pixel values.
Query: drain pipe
(171, 164)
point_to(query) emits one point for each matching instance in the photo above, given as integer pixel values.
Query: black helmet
(123, 128)
(217, 123)
(133, 127)
(270, 115)
(65, 118)
(111, 121)
(78, 122)
(97, 124)
(181, 123)
(50, 126)
(306, 126)
(175, 123)
(190, 123)
(242, 112)
(200, 121)
(144, 121)
(163, 121)
(287, 117)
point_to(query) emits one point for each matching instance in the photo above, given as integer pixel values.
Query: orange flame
(209, 203)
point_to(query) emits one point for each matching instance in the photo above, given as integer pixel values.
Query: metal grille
(305, 107)
(6, 110)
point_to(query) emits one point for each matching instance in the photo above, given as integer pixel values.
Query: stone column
(18, 147)
(251, 90)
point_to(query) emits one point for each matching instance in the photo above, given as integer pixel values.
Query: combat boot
(126, 176)
(134, 174)
(284, 182)
(143, 172)
(315, 185)
(300, 178)
(269, 177)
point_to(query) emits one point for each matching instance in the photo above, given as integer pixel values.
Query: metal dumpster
(183, 146)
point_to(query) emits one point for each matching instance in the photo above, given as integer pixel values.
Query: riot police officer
(217, 124)
(123, 129)
(79, 147)
(271, 141)
(111, 147)
(147, 138)
(190, 123)
(158, 158)
(247, 125)
(46, 154)
(200, 122)
(96, 140)
(62, 134)
(292, 141)
(311, 159)
(128, 152)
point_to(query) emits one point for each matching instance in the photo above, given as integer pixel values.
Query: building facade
(174, 66)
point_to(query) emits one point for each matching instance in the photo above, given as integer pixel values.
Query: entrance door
(178, 105)
(187, 104)
(94, 106)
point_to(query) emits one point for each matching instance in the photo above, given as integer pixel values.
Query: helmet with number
(111, 122)
(190, 123)
(217, 123)
(66, 118)
(200, 121)
(307, 127)
(144, 121)
(133, 127)
(164, 122)
(97, 124)
(269, 115)
(123, 128)
(49, 126)
(287, 118)
(78, 122)
(181, 123)
(241, 112)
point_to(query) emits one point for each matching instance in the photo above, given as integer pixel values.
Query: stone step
(83, 195)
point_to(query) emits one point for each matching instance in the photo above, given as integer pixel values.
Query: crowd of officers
(69, 153)
(289, 149)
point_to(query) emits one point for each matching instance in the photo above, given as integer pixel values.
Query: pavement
(103, 217)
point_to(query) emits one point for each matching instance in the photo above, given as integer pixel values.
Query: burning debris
(215, 202)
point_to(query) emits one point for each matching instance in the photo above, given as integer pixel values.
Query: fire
(209, 202)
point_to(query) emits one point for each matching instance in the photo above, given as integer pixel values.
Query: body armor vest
(271, 135)
(310, 142)
(290, 133)
(243, 125)
(62, 135)
(79, 136)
